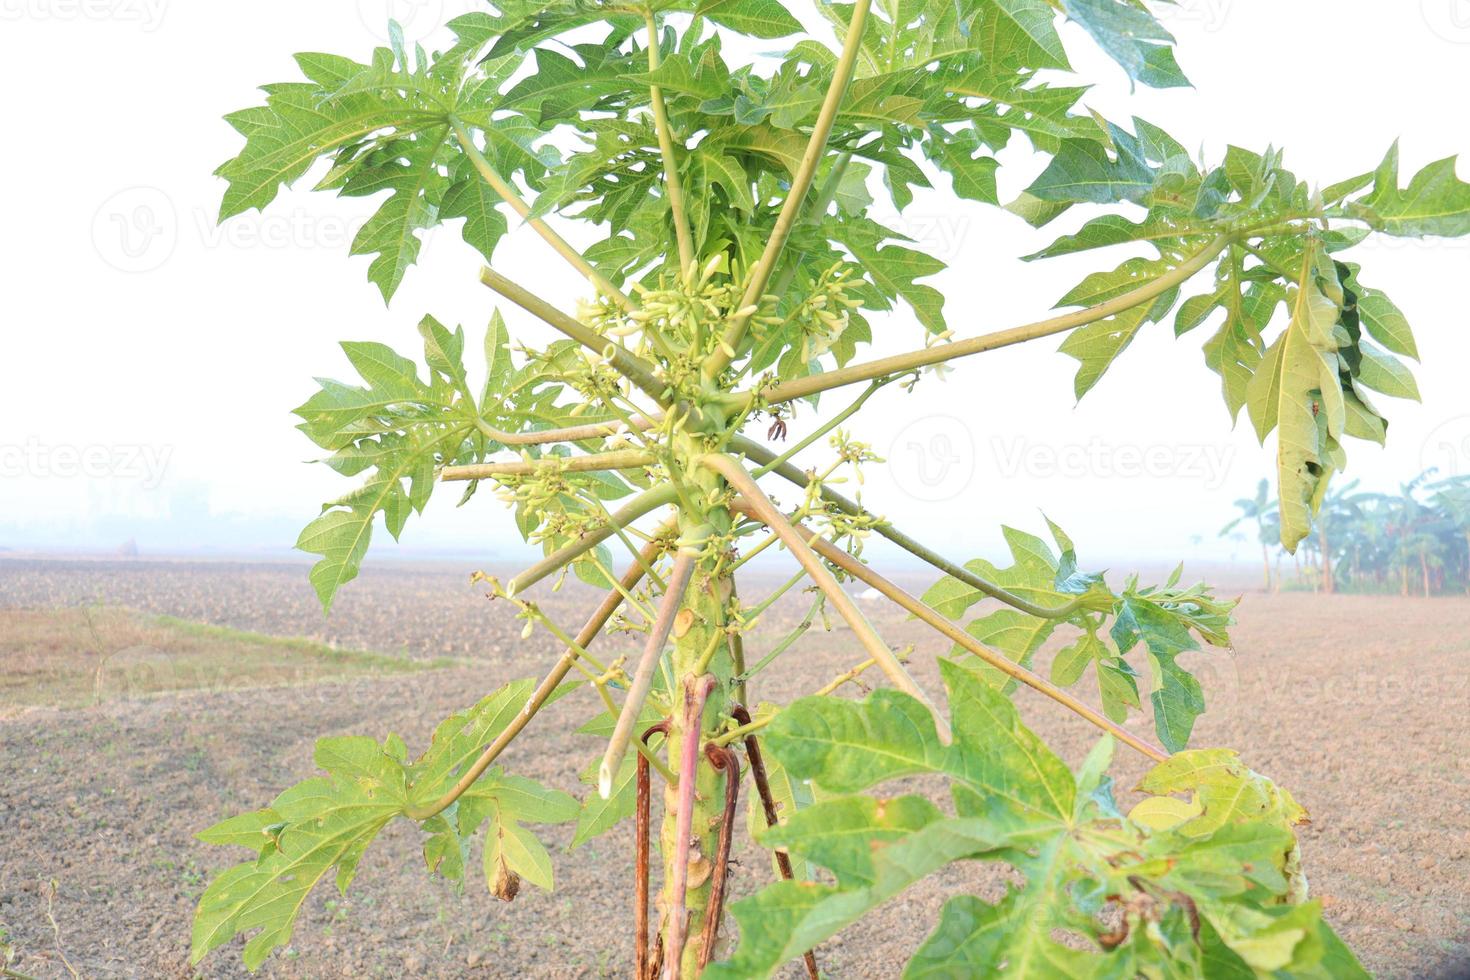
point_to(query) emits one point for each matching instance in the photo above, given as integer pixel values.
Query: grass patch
(71, 658)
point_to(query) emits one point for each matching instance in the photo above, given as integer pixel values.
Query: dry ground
(1358, 704)
(88, 655)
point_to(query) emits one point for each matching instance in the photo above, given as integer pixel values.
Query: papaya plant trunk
(1266, 565)
(701, 648)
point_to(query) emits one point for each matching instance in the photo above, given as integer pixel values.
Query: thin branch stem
(673, 184)
(801, 182)
(786, 470)
(540, 437)
(899, 363)
(629, 596)
(789, 639)
(641, 505)
(826, 427)
(508, 193)
(842, 679)
(919, 609)
(736, 734)
(625, 459)
(756, 611)
(638, 690)
(760, 507)
(624, 361)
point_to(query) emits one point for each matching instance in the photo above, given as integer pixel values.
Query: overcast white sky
(150, 358)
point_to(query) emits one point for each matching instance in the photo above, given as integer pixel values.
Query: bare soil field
(1358, 704)
(87, 655)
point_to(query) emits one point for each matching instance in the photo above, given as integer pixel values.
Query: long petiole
(801, 182)
(508, 193)
(925, 357)
(641, 505)
(672, 182)
(540, 437)
(696, 692)
(624, 459)
(624, 361)
(642, 681)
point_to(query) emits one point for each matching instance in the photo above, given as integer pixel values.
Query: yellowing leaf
(1165, 812)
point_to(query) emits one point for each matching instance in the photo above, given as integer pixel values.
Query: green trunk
(703, 628)
(699, 630)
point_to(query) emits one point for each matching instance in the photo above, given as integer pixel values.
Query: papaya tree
(735, 271)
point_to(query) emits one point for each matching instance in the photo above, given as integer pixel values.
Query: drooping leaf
(325, 824)
(1297, 391)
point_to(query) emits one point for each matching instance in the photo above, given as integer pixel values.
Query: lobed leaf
(325, 825)
(1206, 888)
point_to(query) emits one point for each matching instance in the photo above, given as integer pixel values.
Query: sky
(149, 358)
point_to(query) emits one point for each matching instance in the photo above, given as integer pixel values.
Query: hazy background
(151, 358)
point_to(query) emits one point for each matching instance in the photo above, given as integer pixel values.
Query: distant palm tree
(1262, 510)
(1339, 507)
(1375, 541)
(1452, 497)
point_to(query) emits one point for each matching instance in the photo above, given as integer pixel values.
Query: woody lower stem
(699, 640)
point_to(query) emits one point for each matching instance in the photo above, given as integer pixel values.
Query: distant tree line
(1414, 542)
